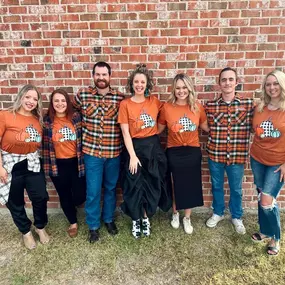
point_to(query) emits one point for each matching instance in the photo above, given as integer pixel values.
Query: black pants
(35, 185)
(71, 189)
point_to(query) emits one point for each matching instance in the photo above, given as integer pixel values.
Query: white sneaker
(213, 221)
(175, 220)
(187, 226)
(136, 230)
(146, 227)
(239, 227)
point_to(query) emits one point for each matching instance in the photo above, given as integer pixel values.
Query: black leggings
(35, 185)
(71, 189)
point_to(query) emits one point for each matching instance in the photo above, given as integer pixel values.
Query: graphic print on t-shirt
(30, 134)
(64, 134)
(145, 121)
(267, 130)
(184, 125)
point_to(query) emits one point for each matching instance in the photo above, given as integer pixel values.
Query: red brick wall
(54, 43)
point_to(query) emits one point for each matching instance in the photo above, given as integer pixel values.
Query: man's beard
(99, 83)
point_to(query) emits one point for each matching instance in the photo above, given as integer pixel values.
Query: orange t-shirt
(20, 134)
(141, 117)
(268, 145)
(182, 124)
(63, 138)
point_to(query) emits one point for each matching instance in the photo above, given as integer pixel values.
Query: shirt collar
(95, 91)
(236, 98)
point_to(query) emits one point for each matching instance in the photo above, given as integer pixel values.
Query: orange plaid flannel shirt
(230, 125)
(101, 133)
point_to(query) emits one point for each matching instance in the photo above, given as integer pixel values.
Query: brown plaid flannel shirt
(101, 132)
(230, 125)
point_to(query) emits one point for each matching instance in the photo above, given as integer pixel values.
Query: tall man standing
(102, 145)
(229, 118)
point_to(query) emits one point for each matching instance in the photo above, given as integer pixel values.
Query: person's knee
(267, 201)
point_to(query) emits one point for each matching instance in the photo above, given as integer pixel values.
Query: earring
(146, 92)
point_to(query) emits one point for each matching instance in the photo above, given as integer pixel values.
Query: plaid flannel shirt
(48, 152)
(230, 125)
(101, 132)
(8, 162)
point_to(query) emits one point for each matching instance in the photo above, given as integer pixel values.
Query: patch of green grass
(168, 256)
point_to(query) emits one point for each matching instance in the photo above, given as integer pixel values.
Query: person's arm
(160, 128)
(282, 172)
(134, 161)
(204, 126)
(3, 172)
(76, 102)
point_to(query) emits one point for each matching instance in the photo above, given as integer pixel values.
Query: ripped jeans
(267, 183)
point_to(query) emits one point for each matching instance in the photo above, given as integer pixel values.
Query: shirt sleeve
(2, 123)
(161, 117)
(77, 100)
(123, 117)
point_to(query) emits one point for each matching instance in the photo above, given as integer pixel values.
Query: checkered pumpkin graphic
(187, 124)
(266, 130)
(66, 134)
(148, 121)
(34, 135)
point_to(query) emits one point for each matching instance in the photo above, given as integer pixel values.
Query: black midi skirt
(184, 164)
(147, 189)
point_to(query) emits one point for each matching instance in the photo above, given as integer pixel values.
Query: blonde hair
(265, 98)
(37, 112)
(192, 98)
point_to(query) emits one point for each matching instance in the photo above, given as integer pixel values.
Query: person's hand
(134, 162)
(3, 175)
(282, 172)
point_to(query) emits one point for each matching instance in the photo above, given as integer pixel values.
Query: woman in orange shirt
(143, 176)
(62, 155)
(268, 158)
(20, 166)
(183, 115)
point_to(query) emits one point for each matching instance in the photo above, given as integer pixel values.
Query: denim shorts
(266, 180)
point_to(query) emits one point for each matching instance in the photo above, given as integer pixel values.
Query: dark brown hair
(228, 69)
(69, 108)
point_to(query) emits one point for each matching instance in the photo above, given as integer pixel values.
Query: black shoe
(94, 235)
(111, 228)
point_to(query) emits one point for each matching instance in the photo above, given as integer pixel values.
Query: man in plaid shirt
(101, 145)
(229, 118)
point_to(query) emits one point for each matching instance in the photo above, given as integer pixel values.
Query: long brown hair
(69, 108)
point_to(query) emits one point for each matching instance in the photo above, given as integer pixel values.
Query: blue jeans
(100, 171)
(235, 175)
(267, 183)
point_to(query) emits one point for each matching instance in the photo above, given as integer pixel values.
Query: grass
(168, 256)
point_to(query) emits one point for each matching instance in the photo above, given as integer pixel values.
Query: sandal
(44, 237)
(258, 237)
(273, 250)
(72, 231)
(29, 241)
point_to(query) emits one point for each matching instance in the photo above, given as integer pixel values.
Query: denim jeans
(268, 183)
(100, 171)
(235, 174)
